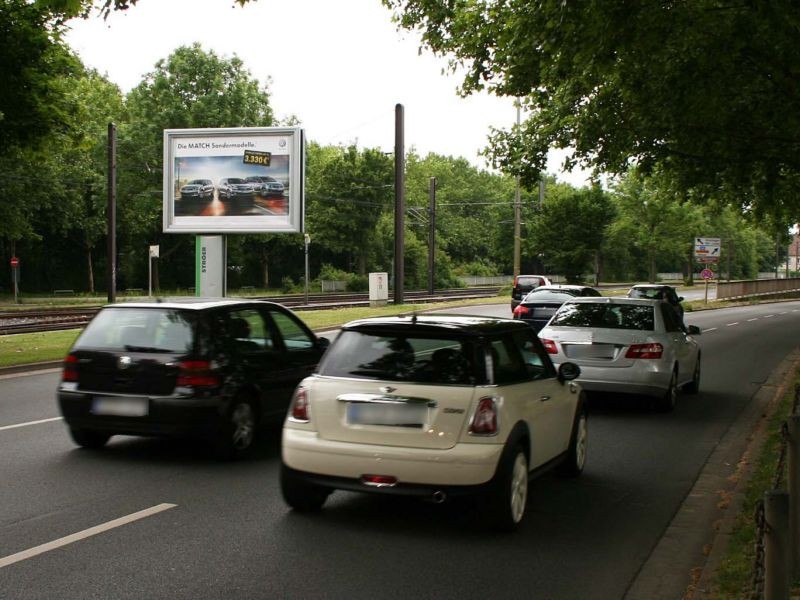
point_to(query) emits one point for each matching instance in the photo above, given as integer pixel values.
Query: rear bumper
(624, 380)
(461, 465)
(166, 416)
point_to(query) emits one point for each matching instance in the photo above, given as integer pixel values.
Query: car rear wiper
(130, 348)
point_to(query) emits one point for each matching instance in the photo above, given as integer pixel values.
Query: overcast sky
(340, 66)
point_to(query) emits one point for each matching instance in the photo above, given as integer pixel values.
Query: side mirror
(680, 298)
(693, 330)
(568, 371)
(323, 343)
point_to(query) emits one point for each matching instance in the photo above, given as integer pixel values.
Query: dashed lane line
(4, 427)
(751, 320)
(732, 324)
(82, 535)
(709, 329)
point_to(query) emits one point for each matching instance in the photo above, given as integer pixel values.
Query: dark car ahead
(266, 186)
(543, 302)
(214, 369)
(524, 284)
(655, 291)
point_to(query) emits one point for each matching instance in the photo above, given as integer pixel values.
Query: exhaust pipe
(439, 496)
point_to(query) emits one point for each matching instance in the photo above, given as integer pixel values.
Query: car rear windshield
(549, 296)
(527, 281)
(605, 316)
(653, 293)
(392, 357)
(138, 330)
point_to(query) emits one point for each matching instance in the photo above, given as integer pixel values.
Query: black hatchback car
(214, 369)
(542, 303)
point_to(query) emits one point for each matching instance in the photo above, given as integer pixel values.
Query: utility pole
(399, 204)
(517, 240)
(111, 214)
(431, 235)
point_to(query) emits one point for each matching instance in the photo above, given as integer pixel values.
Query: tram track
(56, 319)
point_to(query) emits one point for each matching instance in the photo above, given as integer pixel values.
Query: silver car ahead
(626, 345)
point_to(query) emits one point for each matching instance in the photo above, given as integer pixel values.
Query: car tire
(694, 385)
(509, 497)
(576, 453)
(88, 439)
(237, 434)
(301, 495)
(670, 398)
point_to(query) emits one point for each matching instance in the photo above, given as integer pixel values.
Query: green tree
(350, 190)
(706, 89)
(192, 88)
(571, 228)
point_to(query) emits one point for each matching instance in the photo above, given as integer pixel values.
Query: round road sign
(14, 262)
(707, 274)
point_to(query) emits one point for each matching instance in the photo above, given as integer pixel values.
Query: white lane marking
(732, 324)
(81, 535)
(709, 329)
(749, 320)
(4, 427)
(768, 316)
(786, 312)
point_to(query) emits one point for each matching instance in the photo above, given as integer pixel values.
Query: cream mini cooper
(433, 406)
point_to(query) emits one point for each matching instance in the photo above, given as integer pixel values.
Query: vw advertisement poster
(234, 180)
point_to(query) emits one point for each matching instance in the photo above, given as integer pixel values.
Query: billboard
(234, 180)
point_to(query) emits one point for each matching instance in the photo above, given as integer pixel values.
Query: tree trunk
(265, 258)
(89, 269)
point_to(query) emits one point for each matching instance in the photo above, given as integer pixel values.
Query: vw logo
(124, 362)
(282, 143)
(387, 389)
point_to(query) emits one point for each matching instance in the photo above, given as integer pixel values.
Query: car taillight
(521, 310)
(550, 346)
(197, 373)
(484, 422)
(70, 372)
(299, 411)
(653, 350)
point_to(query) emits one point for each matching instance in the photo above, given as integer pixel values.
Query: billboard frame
(217, 153)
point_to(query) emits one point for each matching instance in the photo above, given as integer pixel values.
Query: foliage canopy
(707, 89)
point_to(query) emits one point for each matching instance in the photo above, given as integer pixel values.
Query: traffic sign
(707, 259)
(707, 274)
(706, 248)
(14, 262)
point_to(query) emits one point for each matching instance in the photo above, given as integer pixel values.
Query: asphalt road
(221, 530)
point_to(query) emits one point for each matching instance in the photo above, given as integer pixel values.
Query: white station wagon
(433, 406)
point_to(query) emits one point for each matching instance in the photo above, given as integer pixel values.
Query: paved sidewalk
(683, 563)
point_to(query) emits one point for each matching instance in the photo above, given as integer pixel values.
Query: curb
(683, 563)
(40, 366)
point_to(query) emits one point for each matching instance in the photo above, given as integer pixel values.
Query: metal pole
(399, 204)
(793, 447)
(431, 235)
(517, 241)
(776, 546)
(149, 275)
(111, 214)
(307, 239)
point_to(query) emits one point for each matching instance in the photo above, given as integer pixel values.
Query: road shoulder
(684, 561)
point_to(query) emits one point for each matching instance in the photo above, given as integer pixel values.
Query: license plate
(390, 415)
(120, 406)
(589, 350)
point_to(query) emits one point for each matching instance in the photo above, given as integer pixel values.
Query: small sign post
(707, 274)
(15, 277)
(153, 254)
